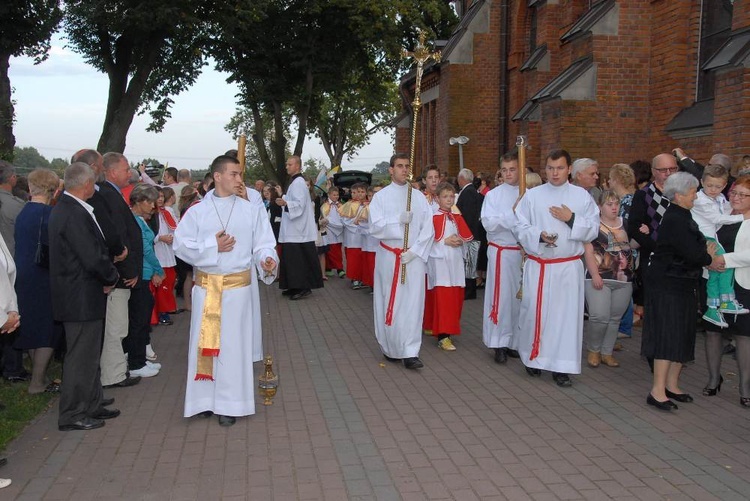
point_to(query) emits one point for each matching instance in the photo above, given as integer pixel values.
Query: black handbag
(41, 257)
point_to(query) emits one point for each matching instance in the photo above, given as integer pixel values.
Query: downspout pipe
(503, 77)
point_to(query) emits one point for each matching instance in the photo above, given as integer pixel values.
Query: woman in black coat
(670, 298)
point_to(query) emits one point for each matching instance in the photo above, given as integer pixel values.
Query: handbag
(41, 256)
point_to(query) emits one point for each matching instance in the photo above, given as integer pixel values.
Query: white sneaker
(150, 353)
(153, 365)
(144, 371)
(4, 482)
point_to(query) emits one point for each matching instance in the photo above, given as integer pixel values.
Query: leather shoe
(301, 294)
(533, 372)
(501, 355)
(513, 353)
(680, 397)
(128, 381)
(562, 379)
(413, 363)
(108, 401)
(84, 424)
(289, 292)
(662, 406)
(206, 414)
(391, 359)
(3, 461)
(103, 413)
(166, 321)
(227, 420)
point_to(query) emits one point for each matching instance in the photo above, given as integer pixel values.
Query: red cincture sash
(496, 293)
(539, 293)
(394, 284)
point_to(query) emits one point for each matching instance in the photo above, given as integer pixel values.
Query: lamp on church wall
(460, 141)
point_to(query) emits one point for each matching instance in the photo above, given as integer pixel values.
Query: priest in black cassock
(299, 271)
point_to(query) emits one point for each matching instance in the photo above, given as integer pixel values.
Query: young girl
(609, 276)
(445, 268)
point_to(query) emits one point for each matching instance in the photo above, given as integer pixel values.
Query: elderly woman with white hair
(673, 276)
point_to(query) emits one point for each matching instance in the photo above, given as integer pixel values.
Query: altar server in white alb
(501, 302)
(398, 307)
(553, 222)
(230, 244)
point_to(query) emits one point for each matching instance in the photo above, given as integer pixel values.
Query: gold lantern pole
(241, 149)
(522, 146)
(421, 55)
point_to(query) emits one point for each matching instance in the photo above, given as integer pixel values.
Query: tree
(25, 30)
(150, 52)
(28, 158)
(259, 163)
(381, 169)
(312, 167)
(313, 50)
(59, 165)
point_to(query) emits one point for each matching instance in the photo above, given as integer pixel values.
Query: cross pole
(421, 54)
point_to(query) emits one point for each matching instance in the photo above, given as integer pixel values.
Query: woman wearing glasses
(735, 238)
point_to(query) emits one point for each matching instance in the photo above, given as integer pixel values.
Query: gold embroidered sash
(210, 333)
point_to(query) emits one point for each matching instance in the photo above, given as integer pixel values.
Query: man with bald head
(299, 271)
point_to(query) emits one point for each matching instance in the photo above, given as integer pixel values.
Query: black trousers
(81, 391)
(12, 359)
(139, 324)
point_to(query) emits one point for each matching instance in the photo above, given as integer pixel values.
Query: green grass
(20, 407)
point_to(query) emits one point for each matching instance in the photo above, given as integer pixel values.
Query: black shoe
(166, 321)
(501, 355)
(391, 359)
(513, 353)
(562, 379)
(84, 424)
(289, 292)
(206, 414)
(3, 461)
(710, 392)
(413, 363)
(227, 420)
(301, 294)
(662, 406)
(128, 381)
(745, 401)
(103, 413)
(19, 379)
(108, 401)
(533, 372)
(680, 397)
(729, 349)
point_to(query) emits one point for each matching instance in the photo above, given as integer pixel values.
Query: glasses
(741, 196)
(666, 170)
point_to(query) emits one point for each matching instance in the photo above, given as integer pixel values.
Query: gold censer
(268, 382)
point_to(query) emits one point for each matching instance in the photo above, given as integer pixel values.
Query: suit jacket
(128, 230)
(470, 204)
(739, 259)
(80, 265)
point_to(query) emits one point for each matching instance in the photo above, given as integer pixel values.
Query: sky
(60, 106)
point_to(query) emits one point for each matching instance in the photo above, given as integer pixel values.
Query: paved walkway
(345, 425)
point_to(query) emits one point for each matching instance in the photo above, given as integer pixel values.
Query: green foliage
(25, 30)
(26, 27)
(312, 167)
(28, 158)
(149, 50)
(59, 165)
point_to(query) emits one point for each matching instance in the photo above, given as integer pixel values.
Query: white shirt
(712, 213)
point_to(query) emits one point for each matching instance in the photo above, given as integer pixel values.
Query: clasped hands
(718, 263)
(225, 242)
(13, 322)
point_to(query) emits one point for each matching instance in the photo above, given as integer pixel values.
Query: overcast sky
(60, 107)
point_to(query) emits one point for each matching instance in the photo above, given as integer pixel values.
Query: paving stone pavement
(347, 425)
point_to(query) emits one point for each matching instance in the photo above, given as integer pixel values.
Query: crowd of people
(91, 263)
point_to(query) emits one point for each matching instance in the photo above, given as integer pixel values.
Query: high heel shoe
(745, 401)
(680, 397)
(710, 392)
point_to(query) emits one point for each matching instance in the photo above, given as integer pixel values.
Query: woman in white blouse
(9, 317)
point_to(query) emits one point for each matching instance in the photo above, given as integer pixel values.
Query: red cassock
(447, 294)
(334, 258)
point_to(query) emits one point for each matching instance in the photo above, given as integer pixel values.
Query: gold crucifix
(421, 54)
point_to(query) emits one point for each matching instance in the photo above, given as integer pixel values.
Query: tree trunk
(125, 97)
(279, 143)
(7, 139)
(258, 137)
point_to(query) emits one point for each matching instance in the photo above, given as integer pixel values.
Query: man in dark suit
(113, 361)
(81, 276)
(469, 202)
